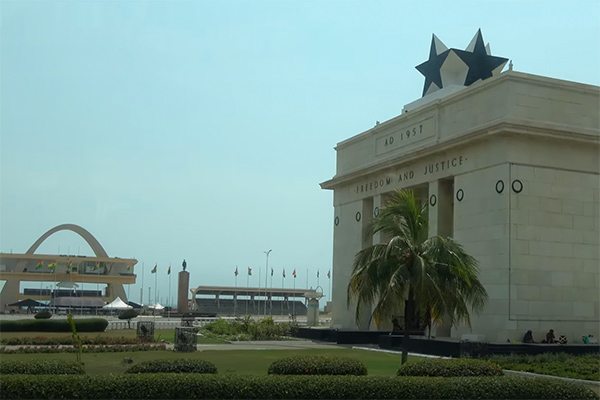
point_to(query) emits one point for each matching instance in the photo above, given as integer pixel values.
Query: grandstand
(232, 301)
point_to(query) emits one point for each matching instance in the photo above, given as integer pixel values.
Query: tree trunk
(409, 311)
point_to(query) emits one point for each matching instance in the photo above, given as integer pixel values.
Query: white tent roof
(117, 304)
(156, 306)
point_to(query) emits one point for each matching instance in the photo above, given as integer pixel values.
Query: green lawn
(249, 362)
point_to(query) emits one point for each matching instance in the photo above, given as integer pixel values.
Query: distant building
(509, 165)
(70, 270)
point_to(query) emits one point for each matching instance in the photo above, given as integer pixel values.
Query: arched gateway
(30, 267)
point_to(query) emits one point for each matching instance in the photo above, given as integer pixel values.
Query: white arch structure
(15, 268)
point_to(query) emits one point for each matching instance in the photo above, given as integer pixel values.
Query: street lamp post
(266, 277)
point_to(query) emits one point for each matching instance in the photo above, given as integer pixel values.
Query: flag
(169, 270)
(249, 271)
(294, 274)
(317, 273)
(52, 266)
(329, 274)
(236, 271)
(39, 265)
(95, 267)
(284, 272)
(154, 269)
(271, 271)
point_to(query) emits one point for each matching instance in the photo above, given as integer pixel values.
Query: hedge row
(209, 386)
(53, 325)
(317, 365)
(49, 341)
(41, 367)
(450, 367)
(85, 349)
(178, 366)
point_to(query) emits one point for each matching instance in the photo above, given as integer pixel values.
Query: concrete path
(269, 345)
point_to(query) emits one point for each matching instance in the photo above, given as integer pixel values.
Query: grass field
(249, 362)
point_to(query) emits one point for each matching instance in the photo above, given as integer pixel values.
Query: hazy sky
(201, 129)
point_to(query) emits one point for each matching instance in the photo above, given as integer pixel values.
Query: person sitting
(550, 337)
(528, 338)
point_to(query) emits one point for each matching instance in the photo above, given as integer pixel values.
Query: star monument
(453, 67)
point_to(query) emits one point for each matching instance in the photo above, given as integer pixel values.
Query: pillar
(182, 291)
(441, 222)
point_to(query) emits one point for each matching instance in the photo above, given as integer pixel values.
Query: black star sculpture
(476, 63)
(480, 63)
(431, 68)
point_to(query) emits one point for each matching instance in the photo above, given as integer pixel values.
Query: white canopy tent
(117, 304)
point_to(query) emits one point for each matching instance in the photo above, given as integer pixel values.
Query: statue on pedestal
(184, 265)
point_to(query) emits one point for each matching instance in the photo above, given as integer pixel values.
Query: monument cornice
(493, 128)
(437, 104)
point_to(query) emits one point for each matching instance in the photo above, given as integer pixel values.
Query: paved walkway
(270, 345)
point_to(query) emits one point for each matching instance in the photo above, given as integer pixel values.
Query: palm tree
(432, 278)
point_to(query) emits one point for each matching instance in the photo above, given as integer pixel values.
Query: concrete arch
(87, 236)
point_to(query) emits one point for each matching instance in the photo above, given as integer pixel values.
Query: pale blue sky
(200, 130)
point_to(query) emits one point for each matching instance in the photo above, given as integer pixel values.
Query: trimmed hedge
(450, 367)
(317, 365)
(178, 366)
(84, 349)
(195, 386)
(53, 325)
(43, 315)
(68, 340)
(41, 367)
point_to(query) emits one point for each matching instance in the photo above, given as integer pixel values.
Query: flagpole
(271, 297)
(142, 291)
(247, 288)
(283, 288)
(235, 293)
(294, 301)
(169, 300)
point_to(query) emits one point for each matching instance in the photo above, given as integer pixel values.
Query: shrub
(43, 340)
(317, 365)
(53, 325)
(216, 386)
(128, 314)
(85, 349)
(41, 367)
(450, 367)
(43, 315)
(585, 366)
(179, 366)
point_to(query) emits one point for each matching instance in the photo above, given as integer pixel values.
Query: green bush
(85, 349)
(585, 366)
(216, 386)
(450, 367)
(317, 365)
(68, 340)
(247, 329)
(53, 325)
(43, 315)
(179, 366)
(128, 314)
(41, 367)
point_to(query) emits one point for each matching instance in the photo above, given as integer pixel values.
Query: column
(441, 221)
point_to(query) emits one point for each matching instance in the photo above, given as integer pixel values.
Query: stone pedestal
(185, 339)
(182, 291)
(312, 314)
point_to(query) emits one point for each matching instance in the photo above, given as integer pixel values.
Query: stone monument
(183, 289)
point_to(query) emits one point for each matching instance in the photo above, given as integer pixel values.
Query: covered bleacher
(232, 301)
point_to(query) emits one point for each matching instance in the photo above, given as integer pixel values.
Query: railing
(158, 323)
